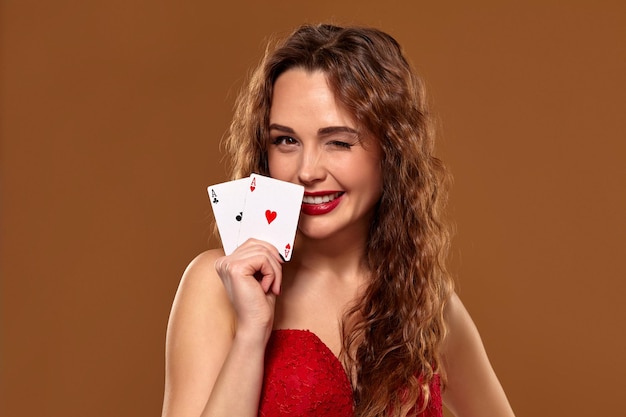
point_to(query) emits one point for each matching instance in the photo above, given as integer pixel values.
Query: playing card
(271, 212)
(227, 202)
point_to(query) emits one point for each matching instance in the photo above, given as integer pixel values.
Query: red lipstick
(315, 209)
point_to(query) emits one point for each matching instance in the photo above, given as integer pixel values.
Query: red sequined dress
(303, 377)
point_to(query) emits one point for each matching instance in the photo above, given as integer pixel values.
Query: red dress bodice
(304, 378)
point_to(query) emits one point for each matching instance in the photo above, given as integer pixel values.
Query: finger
(255, 260)
(271, 280)
(271, 275)
(270, 248)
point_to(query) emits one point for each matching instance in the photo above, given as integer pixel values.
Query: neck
(342, 258)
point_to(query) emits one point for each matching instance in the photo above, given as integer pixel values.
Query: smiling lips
(323, 202)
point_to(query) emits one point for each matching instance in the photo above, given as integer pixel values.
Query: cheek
(271, 161)
(375, 175)
(277, 167)
(377, 188)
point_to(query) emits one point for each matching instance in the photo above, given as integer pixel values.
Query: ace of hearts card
(271, 213)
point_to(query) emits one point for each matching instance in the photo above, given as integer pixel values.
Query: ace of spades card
(227, 201)
(271, 213)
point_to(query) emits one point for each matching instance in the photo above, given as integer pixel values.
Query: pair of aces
(257, 207)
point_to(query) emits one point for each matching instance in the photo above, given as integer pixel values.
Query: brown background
(110, 118)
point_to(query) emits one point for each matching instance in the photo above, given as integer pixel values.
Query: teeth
(319, 199)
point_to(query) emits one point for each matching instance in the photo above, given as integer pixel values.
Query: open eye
(284, 140)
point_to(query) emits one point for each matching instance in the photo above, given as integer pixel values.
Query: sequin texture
(304, 378)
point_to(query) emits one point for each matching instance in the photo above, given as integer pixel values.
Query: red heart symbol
(253, 184)
(252, 187)
(270, 216)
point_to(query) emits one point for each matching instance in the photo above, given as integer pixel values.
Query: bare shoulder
(201, 270)
(473, 388)
(204, 263)
(458, 320)
(201, 288)
(199, 335)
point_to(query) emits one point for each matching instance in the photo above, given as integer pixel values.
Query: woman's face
(314, 142)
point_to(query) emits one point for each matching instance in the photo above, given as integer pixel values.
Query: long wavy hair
(392, 336)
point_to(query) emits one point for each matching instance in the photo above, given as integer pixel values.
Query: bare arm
(473, 388)
(215, 347)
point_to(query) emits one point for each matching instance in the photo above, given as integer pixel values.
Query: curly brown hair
(392, 336)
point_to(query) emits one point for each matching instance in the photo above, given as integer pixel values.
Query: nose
(312, 168)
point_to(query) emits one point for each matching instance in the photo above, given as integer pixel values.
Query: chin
(315, 230)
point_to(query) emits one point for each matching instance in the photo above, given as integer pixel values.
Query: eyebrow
(325, 131)
(275, 126)
(336, 129)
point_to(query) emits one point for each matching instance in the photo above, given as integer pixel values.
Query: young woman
(363, 320)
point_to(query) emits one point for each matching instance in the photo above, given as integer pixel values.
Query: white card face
(227, 201)
(271, 212)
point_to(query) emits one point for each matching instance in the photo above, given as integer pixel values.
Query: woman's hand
(252, 276)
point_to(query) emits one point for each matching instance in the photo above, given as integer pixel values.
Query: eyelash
(341, 144)
(279, 140)
(288, 140)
